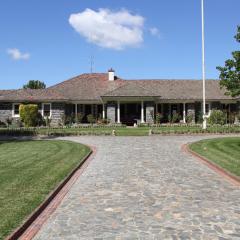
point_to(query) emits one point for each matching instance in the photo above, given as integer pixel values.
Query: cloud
(154, 31)
(108, 29)
(16, 54)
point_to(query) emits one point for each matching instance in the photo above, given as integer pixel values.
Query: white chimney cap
(111, 75)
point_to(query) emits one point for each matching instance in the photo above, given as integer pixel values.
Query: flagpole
(204, 126)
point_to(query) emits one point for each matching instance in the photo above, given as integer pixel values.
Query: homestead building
(105, 95)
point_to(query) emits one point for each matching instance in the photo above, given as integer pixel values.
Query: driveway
(145, 188)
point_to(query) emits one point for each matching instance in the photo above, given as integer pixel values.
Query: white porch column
(118, 112)
(103, 111)
(76, 108)
(184, 112)
(142, 112)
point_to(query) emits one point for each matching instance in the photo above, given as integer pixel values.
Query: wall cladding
(5, 111)
(150, 112)
(111, 112)
(191, 110)
(58, 109)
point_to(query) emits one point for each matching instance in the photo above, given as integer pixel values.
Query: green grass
(224, 152)
(29, 171)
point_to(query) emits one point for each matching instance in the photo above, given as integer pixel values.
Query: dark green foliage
(91, 119)
(29, 114)
(217, 117)
(79, 118)
(230, 73)
(175, 118)
(159, 118)
(35, 84)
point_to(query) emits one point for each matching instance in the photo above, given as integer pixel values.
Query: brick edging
(219, 170)
(34, 222)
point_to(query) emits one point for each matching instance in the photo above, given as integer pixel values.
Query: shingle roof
(132, 89)
(94, 86)
(31, 95)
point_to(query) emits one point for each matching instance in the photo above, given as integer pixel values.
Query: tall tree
(230, 73)
(35, 84)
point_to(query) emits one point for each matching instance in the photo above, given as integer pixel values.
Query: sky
(53, 41)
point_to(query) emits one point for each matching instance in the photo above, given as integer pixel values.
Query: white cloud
(154, 31)
(16, 54)
(108, 29)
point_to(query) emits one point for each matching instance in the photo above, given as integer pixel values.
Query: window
(46, 109)
(16, 110)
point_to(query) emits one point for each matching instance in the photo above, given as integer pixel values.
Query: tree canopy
(35, 84)
(230, 73)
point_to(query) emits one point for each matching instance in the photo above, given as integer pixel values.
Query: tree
(35, 84)
(230, 73)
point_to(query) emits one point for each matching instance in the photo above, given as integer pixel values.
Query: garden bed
(120, 131)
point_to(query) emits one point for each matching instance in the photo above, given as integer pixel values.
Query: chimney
(111, 75)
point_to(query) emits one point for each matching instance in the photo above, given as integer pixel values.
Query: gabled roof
(87, 86)
(132, 89)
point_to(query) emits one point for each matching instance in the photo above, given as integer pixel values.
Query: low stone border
(35, 221)
(224, 173)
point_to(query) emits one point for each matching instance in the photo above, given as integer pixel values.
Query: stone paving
(145, 188)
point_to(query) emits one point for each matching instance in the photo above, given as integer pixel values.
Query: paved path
(145, 188)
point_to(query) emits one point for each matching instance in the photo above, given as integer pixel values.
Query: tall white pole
(203, 70)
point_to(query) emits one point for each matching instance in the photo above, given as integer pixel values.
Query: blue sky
(139, 39)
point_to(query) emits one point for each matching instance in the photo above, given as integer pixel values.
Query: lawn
(224, 152)
(29, 171)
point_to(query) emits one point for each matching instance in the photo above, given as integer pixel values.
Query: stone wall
(58, 109)
(111, 112)
(150, 112)
(191, 111)
(5, 111)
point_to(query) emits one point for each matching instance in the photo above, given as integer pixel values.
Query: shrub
(159, 118)
(29, 114)
(47, 121)
(199, 118)
(9, 121)
(217, 117)
(169, 118)
(232, 118)
(2, 124)
(79, 117)
(175, 117)
(91, 119)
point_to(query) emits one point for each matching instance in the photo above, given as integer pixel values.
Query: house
(121, 101)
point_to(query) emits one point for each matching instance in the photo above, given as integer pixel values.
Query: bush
(47, 122)
(175, 117)
(91, 119)
(79, 117)
(159, 118)
(29, 114)
(2, 124)
(9, 121)
(217, 117)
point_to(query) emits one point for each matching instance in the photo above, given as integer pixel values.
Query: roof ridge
(75, 77)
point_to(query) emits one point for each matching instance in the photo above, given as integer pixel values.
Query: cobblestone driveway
(145, 188)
